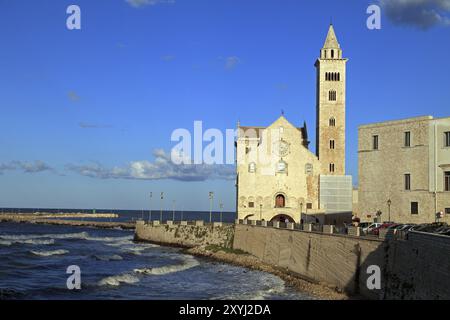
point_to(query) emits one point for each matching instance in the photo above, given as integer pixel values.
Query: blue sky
(77, 104)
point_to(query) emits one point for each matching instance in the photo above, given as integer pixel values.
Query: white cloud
(143, 3)
(423, 14)
(231, 62)
(161, 168)
(27, 167)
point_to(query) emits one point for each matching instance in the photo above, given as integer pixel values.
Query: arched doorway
(282, 218)
(280, 201)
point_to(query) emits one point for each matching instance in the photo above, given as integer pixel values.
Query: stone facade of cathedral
(278, 177)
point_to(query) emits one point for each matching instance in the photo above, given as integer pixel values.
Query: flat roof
(393, 122)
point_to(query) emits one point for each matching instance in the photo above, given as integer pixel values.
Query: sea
(36, 262)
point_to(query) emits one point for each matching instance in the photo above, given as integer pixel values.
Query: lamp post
(301, 209)
(160, 213)
(260, 212)
(150, 212)
(173, 212)
(211, 197)
(389, 209)
(221, 211)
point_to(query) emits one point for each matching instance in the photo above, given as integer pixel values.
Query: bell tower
(330, 106)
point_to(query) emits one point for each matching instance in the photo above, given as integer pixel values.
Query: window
(332, 95)
(447, 181)
(375, 143)
(447, 139)
(407, 181)
(332, 76)
(332, 54)
(407, 139)
(331, 167)
(279, 201)
(414, 208)
(331, 144)
(332, 122)
(251, 204)
(309, 169)
(447, 210)
(309, 205)
(252, 167)
(281, 166)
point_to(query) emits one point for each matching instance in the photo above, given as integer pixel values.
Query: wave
(273, 286)
(118, 279)
(114, 257)
(8, 239)
(188, 263)
(130, 278)
(27, 241)
(110, 239)
(49, 253)
(14, 237)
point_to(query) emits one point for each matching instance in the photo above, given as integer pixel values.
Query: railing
(319, 228)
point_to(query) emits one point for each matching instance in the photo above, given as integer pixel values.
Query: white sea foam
(118, 279)
(114, 257)
(16, 238)
(187, 263)
(27, 241)
(43, 253)
(273, 284)
(80, 235)
(110, 239)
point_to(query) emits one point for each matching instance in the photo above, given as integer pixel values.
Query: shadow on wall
(416, 268)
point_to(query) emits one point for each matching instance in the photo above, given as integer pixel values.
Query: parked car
(376, 231)
(370, 227)
(404, 227)
(364, 225)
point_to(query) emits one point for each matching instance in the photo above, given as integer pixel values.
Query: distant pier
(57, 219)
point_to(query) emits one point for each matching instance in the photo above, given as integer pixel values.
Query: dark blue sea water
(133, 215)
(34, 260)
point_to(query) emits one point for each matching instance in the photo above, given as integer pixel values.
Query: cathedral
(278, 177)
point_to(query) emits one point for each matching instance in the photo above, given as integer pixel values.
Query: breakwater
(185, 233)
(76, 223)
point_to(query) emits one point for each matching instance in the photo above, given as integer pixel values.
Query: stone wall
(185, 234)
(417, 268)
(382, 171)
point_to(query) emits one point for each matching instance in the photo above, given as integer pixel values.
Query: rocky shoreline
(316, 289)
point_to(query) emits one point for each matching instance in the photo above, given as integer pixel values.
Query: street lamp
(389, 209)
(160, 213)
(221, 210)
(301, 209)
(173, 213)
(150, 212)
(211, 197)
